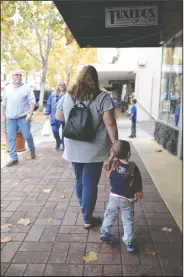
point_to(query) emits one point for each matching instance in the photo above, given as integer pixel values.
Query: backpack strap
(101, 119)
(114, 166)
(131, 169)
(90, 102)
(106, 166)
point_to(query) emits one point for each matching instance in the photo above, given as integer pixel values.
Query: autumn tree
(35, 37)
(64, 61)
(35, 26)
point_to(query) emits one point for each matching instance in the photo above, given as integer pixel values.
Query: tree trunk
(42, 86)
(26, 77)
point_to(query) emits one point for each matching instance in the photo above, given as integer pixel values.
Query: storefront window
(171, 82)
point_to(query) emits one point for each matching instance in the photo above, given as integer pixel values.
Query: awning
(103, 23)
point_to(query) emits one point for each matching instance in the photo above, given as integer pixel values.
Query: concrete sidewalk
(56, 247)
(165, 170)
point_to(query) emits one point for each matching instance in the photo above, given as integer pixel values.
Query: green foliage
(29, 29)
(34, 39)
(65, 60)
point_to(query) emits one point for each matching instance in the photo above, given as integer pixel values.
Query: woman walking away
(87, 153)
(51, 110)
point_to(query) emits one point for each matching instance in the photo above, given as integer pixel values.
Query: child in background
(177, 114)
(133, 118)
(126, 187)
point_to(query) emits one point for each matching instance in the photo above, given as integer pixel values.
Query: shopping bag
(46, 129)
(61, 131)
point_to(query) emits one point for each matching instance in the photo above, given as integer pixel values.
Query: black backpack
(79, 125)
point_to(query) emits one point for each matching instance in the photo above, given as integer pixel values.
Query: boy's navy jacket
(120, 180)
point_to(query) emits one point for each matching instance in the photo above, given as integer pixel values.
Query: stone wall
(166, 136)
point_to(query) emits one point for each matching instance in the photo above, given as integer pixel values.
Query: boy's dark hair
(121, 148)
(134, 101)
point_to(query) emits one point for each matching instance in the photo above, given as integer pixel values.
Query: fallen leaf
(92, 256)
(47, 190)
(147, 251)
(49, 220)
(28, 158)
(6, 239)
(5, 228)
(24, 221)
(62, 196)
(14, 184)
(159, 150)
(165, 229)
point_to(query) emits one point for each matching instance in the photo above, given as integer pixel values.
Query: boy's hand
(138, 195)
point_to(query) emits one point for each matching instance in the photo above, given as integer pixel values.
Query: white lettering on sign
(131, 16)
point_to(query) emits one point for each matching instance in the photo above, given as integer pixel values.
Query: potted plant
(20, 141)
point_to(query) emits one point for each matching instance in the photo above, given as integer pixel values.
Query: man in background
(17, 109)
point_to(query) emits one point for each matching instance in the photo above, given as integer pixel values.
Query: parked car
(37, 96)
(46, 95)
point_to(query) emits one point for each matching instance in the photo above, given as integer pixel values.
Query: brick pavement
(57, 248)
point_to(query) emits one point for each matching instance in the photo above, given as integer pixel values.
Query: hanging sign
(131, 16)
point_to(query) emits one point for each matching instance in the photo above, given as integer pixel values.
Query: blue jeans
(12, 127)
(114, 206)
(86, 184)
(55, 130)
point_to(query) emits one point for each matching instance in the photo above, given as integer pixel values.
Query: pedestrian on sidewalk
(17, 109)
(126, 187)
(87, 157)
(51, 111)
(133, 118)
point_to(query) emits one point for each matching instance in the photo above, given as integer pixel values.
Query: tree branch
(27, 49)
(30, 52)
(35, 26)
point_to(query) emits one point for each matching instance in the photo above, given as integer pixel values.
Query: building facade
(168, 128)
(139, 23)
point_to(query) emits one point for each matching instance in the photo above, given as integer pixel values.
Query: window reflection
(171, 82)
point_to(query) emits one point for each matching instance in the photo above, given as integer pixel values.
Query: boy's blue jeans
(86, 184)
(114, 206)
(12, 126)
(55, 130)
(133, 129)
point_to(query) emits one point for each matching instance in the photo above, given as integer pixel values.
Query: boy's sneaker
(108, 238)
(130, 246)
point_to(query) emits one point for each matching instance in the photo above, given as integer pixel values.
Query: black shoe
(58, 146)
(96, 221)
(109, 239)
(131, 136)
(12, 162)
